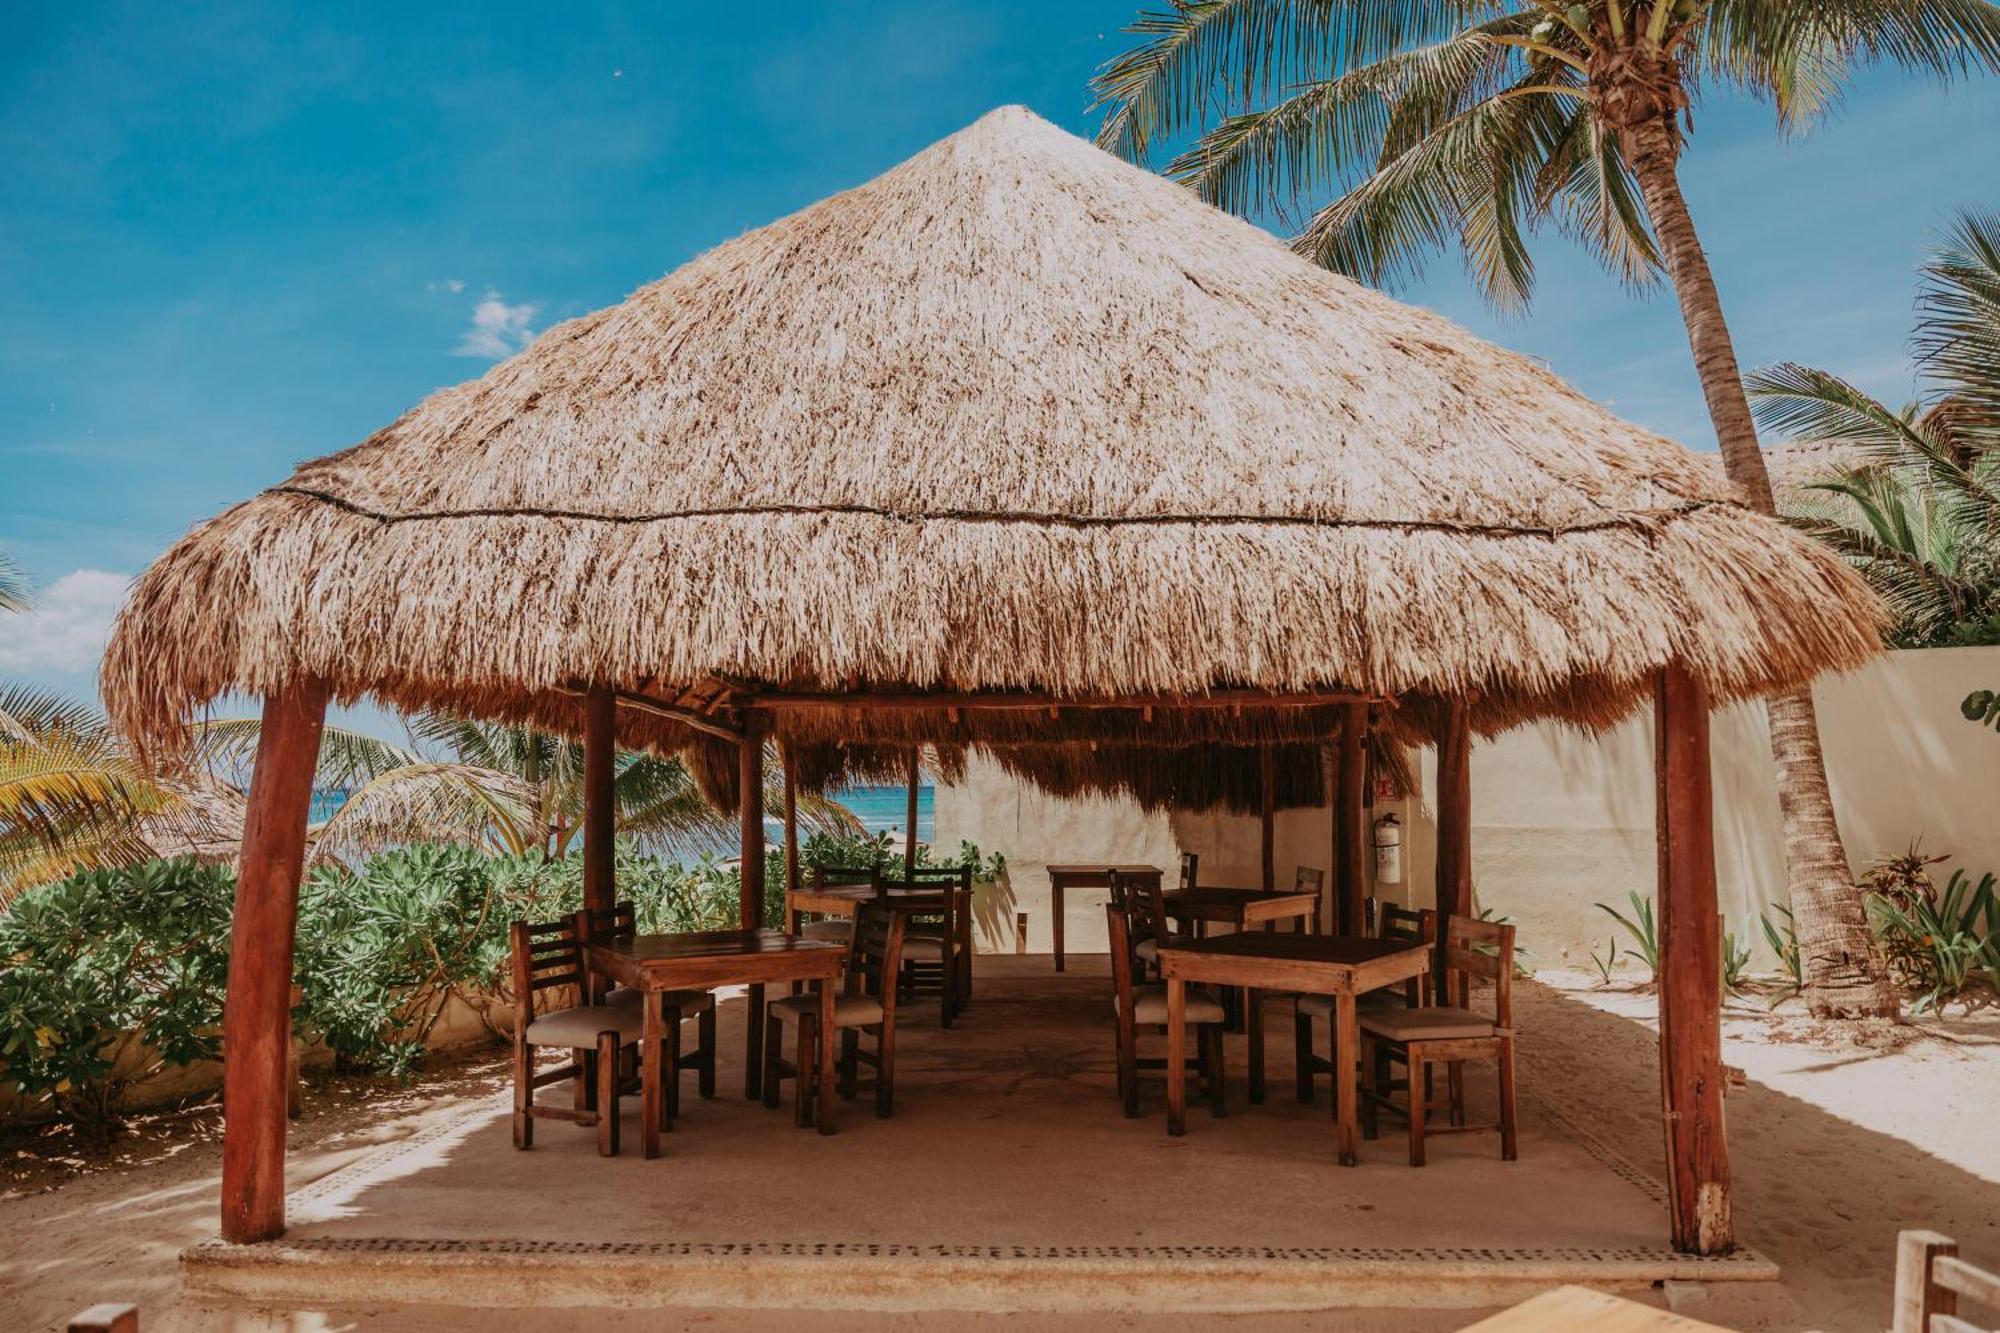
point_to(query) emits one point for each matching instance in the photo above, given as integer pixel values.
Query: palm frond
(1205, 59)
(433, 800)
(1465, 180)
(1318, 136)
(228, 747)
(1958, 323)
(13, 585)
(1801, 55)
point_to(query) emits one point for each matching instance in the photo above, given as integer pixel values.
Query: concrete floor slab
(1007, 1180)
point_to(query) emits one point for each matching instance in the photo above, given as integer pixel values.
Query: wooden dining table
(1337, 965)
(1195, 910)
(704, 960)
(1083, 875)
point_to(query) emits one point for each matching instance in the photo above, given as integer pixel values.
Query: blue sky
(233, 238)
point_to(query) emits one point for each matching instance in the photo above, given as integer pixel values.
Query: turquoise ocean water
(878, 808)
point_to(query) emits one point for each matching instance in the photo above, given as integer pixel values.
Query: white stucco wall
(1562, 820)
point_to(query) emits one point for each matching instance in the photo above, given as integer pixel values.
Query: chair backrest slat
(1308, 880)
(1190, 870)
(1121, 956)
(1485, 949)
(1407, 925)
(546, 955)
(874, 954)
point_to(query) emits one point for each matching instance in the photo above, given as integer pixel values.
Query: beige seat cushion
(849, 1011)
(687, 1001)
(1148, 951)
(580, 1025)
(924, 948)
(1321, 1006)
(1149, 1004)
(834, 932)
(1436, 1024)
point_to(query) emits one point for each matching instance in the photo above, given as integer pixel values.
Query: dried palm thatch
(1013, 416)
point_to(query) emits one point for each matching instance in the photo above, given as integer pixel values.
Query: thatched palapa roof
(1013, 416)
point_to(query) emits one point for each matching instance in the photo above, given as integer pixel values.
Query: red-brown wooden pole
(910, 839)
(1267, 781)
(1690, 969)
(256, 1018)
(1454, 816)
(750, 807)
(791, 824)
(1349, 819)
(600, 819)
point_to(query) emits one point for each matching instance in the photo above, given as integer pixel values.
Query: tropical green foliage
(109, 977)
(1783, 939)
(113, 976)
(1941, 944)
(1642, 929)
(71, 798)
(1982, 707)
(1406, 126)
(1918, 512)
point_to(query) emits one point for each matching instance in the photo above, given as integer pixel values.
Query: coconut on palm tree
(1428, 122)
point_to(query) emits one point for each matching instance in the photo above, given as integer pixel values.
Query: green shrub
(883, 851)
(1940, 944)
(106, 964)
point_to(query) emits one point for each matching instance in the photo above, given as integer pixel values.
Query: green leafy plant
(1943, 944)
(110, 977)
(884, 852)
(1606, 964)
(1784, 941)
(1641, 927)
(1982, 708)
(1736, 979)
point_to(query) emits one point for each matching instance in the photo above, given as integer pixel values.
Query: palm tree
(72, 798)
(1918, 511)
(510, 788)
(1433, 121)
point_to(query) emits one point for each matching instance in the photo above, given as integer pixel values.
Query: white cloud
(498, 330)
(66, 628)
(452, 285)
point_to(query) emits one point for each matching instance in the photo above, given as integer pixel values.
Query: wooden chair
(1930, 1279)
(1190, 865)
(1141, 902)
(1305, 879)
(937, 946)
(620, 921)
(549, 956)
(1422, 1035)
(1403, 924)
(838, 929)
(1137, 1006)
(867, 1004)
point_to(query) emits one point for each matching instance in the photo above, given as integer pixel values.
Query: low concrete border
(894, 1277)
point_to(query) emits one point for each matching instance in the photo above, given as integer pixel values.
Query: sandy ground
(1836, 1145)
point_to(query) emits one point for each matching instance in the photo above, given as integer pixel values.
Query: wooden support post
(1267, 781)
(600, 813)
(256, 1015)
(1454, 821)
(1350, 825)
(910, 838)
(750, 807)
(1690, 980)
(791, 825)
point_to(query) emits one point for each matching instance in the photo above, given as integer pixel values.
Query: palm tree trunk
(1844, 976)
